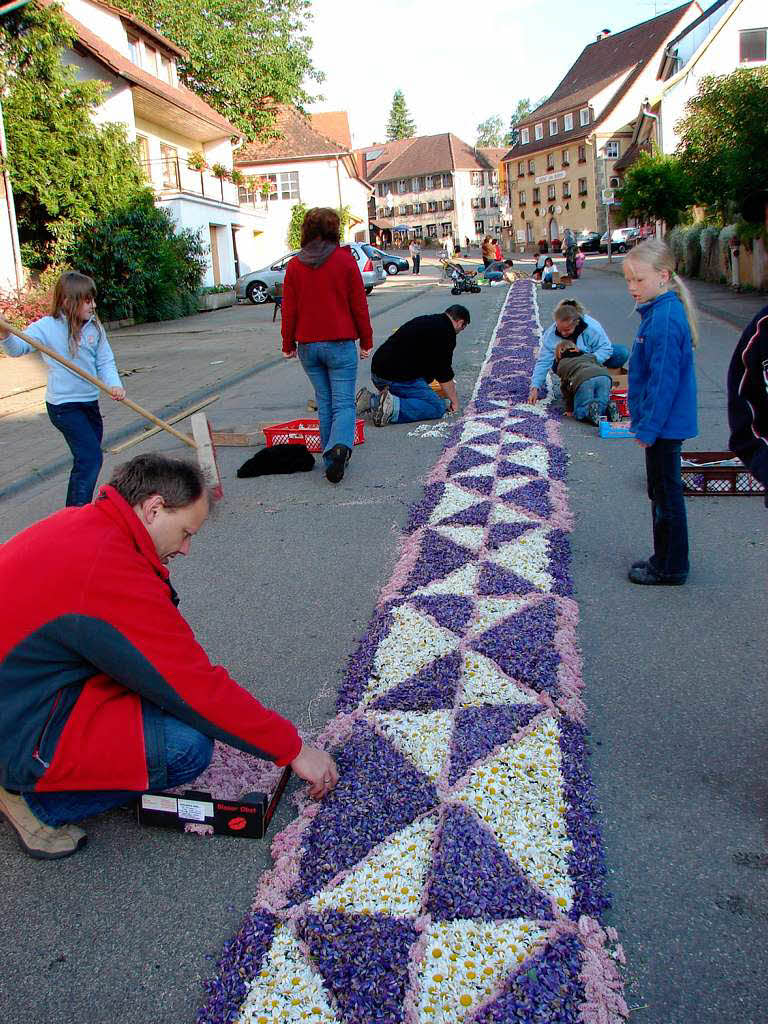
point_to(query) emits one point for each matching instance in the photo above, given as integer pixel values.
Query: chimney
(603, 34)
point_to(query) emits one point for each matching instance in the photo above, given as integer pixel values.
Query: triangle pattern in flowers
(523, 647)
(549, 987)
(481, 484)
(465, 960)
(286, 977)
(454, 500)
(483, 683)
(437, 557)
(519, 794)
(432, 689)
(496, 581)
(476, 514)
(527, 556)
(390, 880)
(413, 641)
(462, 581)
(423, 737)
(472, 877)
(337, 941)
(531, 456)
(465, 460)
(379, 792)
(451, 611)
(471, 537)
(479, 729)
(532, 496)
(473, 428)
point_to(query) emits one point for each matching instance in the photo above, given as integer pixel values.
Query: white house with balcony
(302, 164)
(728, 35)
(171, 125)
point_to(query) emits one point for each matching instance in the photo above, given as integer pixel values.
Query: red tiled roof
(120, 65)
(616, 58)
(296, 137)
(425, 154)
(334, 124)
(387, 152)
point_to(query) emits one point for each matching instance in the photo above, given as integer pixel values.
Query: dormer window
(539, 131)
(553, 126)
(151, 59)
(525, 136)
(166, 69)
(568, 123)
(584, 116)
(134, 50)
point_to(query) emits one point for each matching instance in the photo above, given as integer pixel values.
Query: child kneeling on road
(585, 385)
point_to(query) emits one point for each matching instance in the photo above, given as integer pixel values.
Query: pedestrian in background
(324, 311)
(75, 332)
(662, 402)
(496, 249)
(415, 250)
(488, 251)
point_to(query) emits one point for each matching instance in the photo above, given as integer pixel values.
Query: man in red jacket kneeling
(104, 690)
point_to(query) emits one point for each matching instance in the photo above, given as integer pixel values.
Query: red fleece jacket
(88, 628)
(325, 303)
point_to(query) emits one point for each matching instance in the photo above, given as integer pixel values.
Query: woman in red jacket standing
(324, 311)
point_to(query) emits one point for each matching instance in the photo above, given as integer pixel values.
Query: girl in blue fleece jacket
(662, 402)
(74, 331)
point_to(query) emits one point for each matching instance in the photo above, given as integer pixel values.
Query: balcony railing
(172, 176)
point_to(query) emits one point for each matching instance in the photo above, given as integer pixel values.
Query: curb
(720, 314)
(45, 472)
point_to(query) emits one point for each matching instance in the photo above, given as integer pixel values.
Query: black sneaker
(646, 577)
(338, 456)
(593, 413)
(612, 412)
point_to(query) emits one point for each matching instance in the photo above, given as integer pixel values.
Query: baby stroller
(463, 280)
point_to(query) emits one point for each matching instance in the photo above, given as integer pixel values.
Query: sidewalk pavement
(166, 367)
(735, 308)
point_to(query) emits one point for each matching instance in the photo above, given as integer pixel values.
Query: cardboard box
(199, 812)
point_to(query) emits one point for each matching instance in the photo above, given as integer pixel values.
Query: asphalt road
(279, 586)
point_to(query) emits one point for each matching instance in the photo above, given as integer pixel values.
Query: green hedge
(142, 266)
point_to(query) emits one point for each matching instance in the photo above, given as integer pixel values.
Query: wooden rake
(201, 440)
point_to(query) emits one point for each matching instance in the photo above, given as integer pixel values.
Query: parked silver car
(259, 285)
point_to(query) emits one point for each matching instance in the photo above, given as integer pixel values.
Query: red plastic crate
(619, 396)
(305, 432)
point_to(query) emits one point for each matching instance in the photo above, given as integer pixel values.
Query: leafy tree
(143, 266)
(521, 111)
(245, 56)
(64, 169)
(490, 131)
(655, 188)
(724, 138)
(400, 124)
(298, 213)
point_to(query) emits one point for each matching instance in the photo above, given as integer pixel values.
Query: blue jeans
(187, 754)
(670, 524)
(494, 275)
(416, 263)
(414, 400)
(596, 389)
(83, 429)
(618, 358)
(332, 368)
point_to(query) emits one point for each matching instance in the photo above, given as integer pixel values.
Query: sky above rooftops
(457, 63)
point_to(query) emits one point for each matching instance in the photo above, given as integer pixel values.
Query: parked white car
(621, 239)
(259, 285)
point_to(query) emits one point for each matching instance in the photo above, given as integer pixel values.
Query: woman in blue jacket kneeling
(662, 402)
(584, 333)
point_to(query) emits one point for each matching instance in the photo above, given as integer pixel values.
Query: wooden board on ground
(138, 438)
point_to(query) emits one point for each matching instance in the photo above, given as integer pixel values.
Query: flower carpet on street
(456, 873)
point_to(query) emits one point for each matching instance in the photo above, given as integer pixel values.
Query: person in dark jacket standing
(748, 398)
(662, 402)
(324, 311)
(104, 690)
(417, 353)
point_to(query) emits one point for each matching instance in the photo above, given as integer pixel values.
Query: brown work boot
(41, 841)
